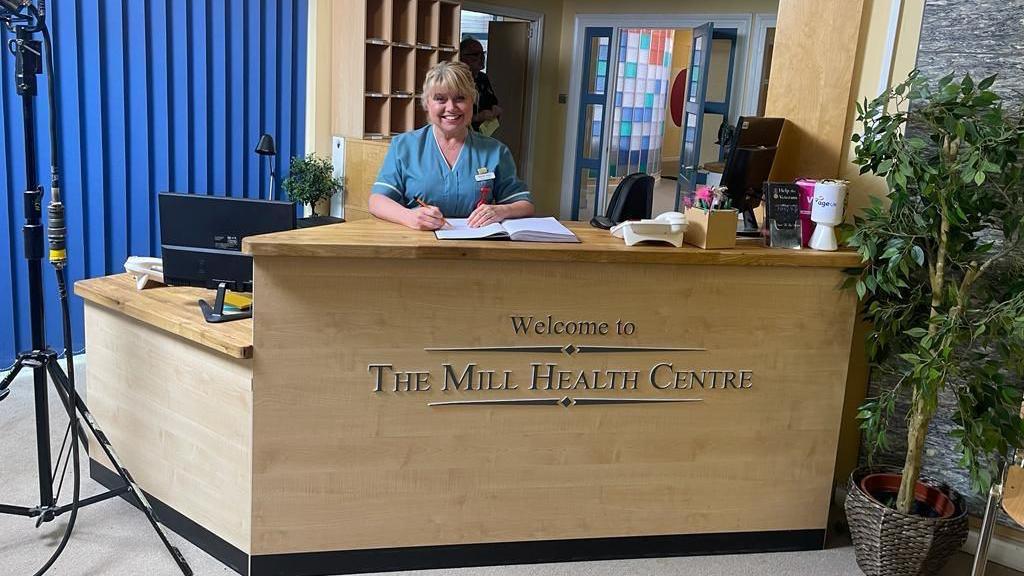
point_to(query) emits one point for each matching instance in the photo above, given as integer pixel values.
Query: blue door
(698, 104)
(590, 126)
(693, 111)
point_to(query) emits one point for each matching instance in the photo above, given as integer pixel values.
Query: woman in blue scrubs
(444, 169)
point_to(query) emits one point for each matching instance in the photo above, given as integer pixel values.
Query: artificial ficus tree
(943, 278)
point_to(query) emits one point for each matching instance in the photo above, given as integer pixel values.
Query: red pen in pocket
(485, 192)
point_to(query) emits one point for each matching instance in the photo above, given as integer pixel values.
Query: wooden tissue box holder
(711, 230)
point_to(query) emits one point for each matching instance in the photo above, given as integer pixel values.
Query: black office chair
(633, 199)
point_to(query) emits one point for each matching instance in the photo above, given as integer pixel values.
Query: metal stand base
(47, 360)
(215, 314)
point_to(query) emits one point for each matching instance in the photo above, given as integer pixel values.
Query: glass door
(642, 67)
(693, 112)
(590, 128)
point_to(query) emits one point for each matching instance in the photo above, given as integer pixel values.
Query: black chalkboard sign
(782, 214)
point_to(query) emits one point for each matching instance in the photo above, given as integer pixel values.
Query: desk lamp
(265, 147)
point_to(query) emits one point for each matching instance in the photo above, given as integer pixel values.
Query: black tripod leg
(62, 387)
(4, 391)
(108, 449)
(5, 384)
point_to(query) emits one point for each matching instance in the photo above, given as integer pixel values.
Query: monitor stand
(748, 228)
(215, 314)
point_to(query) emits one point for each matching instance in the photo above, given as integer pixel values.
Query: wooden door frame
(536, 20)
(762, 22)
(741, 22)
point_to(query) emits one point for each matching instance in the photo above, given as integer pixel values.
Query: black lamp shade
(265, 147)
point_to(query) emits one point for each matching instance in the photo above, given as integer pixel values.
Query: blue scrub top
(415, 168)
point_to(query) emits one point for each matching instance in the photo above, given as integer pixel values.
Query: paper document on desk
(519, 229)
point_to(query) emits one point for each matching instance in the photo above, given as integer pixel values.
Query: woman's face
(449, 111)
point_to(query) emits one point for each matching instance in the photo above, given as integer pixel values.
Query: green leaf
(967, 85)
(987, 82)
(917, 332)
(900, 179)
(861, 289)
(918, 253)
(979, 177)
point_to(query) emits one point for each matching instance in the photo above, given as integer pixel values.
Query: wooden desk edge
(376, 239)
(90, 290)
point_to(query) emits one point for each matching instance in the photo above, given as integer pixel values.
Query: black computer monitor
(749, 164)
(201, 237)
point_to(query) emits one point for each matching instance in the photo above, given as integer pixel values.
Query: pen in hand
(444, 222)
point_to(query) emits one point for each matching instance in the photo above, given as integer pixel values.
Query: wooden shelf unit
(403, 71)
(403, 28)
(378, 19)
(378, 69)
(428, 26)
(419, 115)
(390, 44)
(402, 113)
(448, 20)
(425, 60)
(376, 116)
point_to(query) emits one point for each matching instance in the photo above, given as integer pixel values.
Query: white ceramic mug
(827, 209)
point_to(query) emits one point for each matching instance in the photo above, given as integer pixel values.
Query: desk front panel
(179, 417)
(352, 451)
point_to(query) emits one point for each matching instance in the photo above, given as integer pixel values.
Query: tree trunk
(923, 406)
(917, 430)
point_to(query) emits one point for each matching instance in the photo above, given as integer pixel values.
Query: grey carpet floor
(113, 538)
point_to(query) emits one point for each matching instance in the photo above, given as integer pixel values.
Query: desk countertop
(173, 309)
(378, 239)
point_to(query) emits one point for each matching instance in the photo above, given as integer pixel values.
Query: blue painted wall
(154, 95)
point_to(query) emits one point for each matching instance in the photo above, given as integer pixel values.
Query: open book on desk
(521, 229)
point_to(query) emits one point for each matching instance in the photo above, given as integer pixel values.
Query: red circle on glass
(677, 97)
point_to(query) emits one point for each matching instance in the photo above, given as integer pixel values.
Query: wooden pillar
(814, 97)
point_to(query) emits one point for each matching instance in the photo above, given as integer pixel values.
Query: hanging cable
(56, 236)
(73, 416)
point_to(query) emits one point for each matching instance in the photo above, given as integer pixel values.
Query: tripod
(41, 359)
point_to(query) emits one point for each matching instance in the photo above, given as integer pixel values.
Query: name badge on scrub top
(482, 174)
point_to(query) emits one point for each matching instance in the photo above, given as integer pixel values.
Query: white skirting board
(1001, 551)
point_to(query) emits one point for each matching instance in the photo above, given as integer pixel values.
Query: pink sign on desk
(806, 186)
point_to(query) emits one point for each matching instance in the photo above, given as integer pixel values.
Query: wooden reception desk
(406, 402)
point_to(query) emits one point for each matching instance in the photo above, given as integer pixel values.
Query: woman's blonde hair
(451, 77)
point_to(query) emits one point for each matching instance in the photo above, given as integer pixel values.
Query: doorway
(610, 132)
(511, 39)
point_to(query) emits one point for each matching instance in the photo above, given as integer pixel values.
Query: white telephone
(145, 270)
(668, 227)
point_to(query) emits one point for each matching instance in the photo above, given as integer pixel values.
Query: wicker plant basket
(888, 543)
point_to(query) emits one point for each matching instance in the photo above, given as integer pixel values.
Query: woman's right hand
(425, 218)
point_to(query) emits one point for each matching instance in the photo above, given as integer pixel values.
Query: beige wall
(867, 75)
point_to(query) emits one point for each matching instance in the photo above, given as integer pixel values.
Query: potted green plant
(310, 181)
(943, 290)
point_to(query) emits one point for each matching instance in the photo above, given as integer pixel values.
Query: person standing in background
(486, 107)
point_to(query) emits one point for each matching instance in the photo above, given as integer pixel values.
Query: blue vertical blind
(154, 95)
